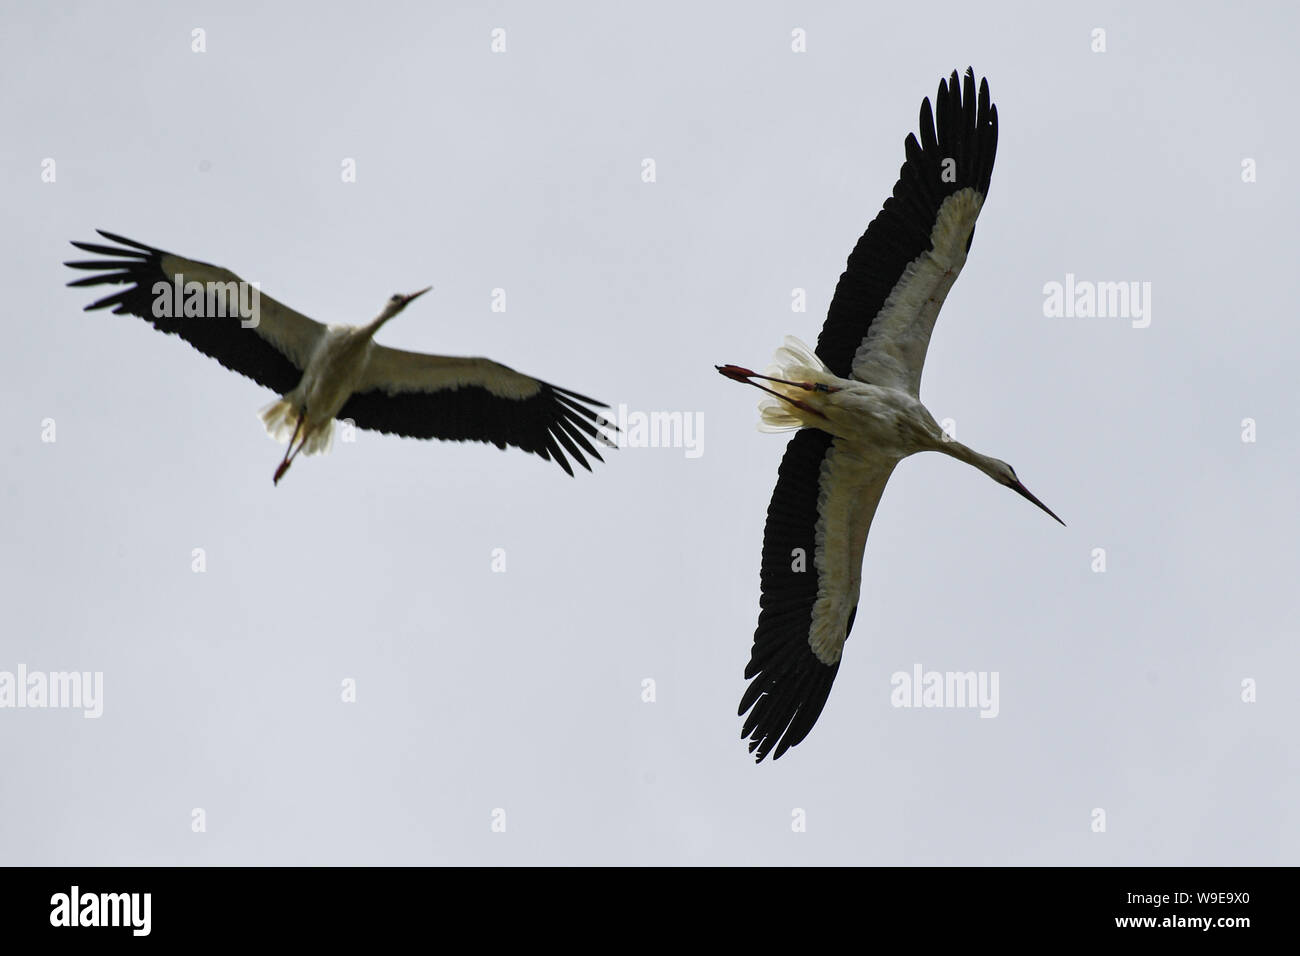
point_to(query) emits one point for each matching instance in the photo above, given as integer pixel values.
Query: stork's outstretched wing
(878, 327)
(826, 495)
(272, 345)
(474, 399)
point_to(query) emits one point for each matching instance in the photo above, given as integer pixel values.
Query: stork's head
(1005, 474)
(398, 302)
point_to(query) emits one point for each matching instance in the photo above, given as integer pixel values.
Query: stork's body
(333, 372)
(337, 367)
(889, 421)
(887, 424)
(856, 402)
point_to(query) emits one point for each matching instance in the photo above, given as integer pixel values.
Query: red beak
(1021, 489)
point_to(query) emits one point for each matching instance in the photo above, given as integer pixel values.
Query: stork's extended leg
(738, 374)
(289, 453)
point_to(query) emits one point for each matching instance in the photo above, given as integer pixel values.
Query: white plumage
(324, 373)
(856, 401)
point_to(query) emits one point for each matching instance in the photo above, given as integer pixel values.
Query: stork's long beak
(1022, 490)
(415, 295)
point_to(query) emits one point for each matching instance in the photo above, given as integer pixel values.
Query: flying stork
(856, 402)
(337, 371)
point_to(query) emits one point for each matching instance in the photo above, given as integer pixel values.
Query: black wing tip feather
(553, 423)
(784, 699)
(567, 425)
(125, 247)
(961, 125)
(129, 263)
(575, 396)
(133, 265)
(123, 241)
(965, 121)
(789, 685)
(138, 268)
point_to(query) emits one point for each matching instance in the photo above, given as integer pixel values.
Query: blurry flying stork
(856, 399)
(337, 371)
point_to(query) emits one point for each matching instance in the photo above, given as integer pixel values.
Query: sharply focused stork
(337, 371)
(856, 401)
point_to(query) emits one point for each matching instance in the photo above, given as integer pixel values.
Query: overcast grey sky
(522, 691)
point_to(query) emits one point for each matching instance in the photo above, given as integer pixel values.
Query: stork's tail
(795, 362)
(281, 419)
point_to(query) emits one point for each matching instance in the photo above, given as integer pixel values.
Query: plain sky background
(523, 690)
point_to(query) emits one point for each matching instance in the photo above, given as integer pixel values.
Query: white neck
(377, 322)
(990, 466)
